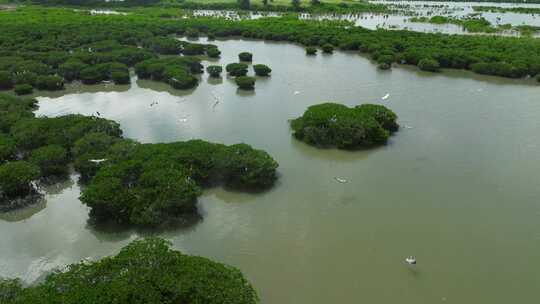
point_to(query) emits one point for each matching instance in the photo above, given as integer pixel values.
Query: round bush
(428, 64)
(245, 56)
(16, 178)
(245, 82)
(328, 48)
(262, 70)
(23, 89)
(237, 69)
(311, 50)
(213, 52)
(331, 124)
(51, 160)
(145, 271)
(214, 70)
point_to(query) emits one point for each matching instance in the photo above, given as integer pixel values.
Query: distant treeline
(342, 7)
(491, 1)
(42, 36)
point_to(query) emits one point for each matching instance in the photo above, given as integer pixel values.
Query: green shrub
(16, 178)
(214, 70)
(8, 149)
(328, 48)
(50, 83)
(25, 77)
(6, 80)
(311, 50)
(428, 64)
(237, 69)
(51, 160)
(331, 124)
(191, 49)
(213, 52)
(145, 271)
(538, 77)
(261, 70)
(175, 71)
(192, 33)
(245, 56)
(32, 133)
(23, 89)
(120, 77)
(245, 82)
(10, 289)
(71, 69)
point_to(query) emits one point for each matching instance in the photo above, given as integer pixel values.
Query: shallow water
(402, 11)
(456, 186)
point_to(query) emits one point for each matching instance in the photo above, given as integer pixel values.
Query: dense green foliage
(328, 48)
(52, 160)
(176, 71)
(331, 124)
(16, 178)
(311, 50)
(429, 65)
(41, 41)
(214, 70)
(49, 58)
(151, 184)
(237, 69)
(245, 82)
(245, 56)
(213, 52)
(261, 70)
(32, 147)
(23, 89)
(145, 271)
(128, 182)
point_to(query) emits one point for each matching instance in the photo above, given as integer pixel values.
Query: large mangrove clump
(128, 182)
(145, 271)
(149, 184)
(336, 125)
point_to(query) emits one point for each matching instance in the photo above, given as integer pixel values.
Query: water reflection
(25, 212)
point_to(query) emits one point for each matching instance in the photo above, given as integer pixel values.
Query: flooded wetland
(456, 186)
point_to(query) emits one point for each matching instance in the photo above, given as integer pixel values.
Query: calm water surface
(457, 186)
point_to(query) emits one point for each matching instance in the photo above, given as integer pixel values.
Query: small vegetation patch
(311, 50)
(245, 56)
(245, 82)
(336, 125)
(262, 70)
(237, 69)
(214, 71)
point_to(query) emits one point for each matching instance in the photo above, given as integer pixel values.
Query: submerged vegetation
(336, 125)
(145, 271)
(475, 24)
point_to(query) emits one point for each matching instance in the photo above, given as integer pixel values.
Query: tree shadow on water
(110, 231)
